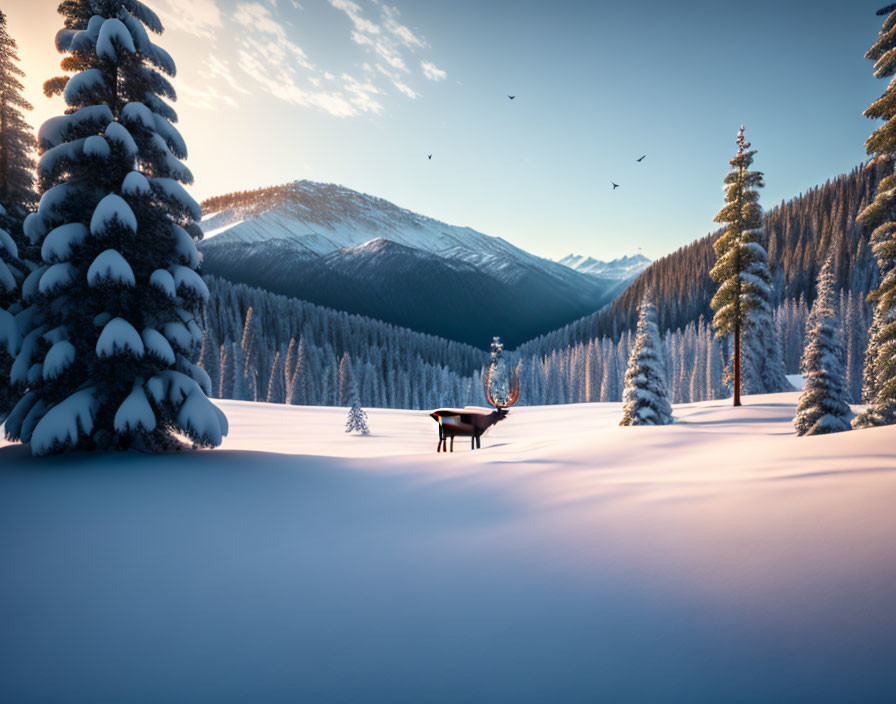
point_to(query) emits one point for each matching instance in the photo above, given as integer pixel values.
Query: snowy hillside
(620, 269)
(324, 218)
(718, 559)
(347, 250)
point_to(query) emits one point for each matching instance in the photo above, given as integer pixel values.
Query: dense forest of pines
(291, 351)
(798, 233)
(259, 346)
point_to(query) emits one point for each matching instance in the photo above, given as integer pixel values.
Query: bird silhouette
(511, 96)
(429, 157)
(641, 159)
(615, 185)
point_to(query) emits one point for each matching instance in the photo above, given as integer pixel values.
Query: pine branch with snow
(113, 314)
(644, 399)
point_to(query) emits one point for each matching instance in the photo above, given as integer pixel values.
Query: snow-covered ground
(721, 559)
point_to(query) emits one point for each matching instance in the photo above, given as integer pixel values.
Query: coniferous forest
(584, 361)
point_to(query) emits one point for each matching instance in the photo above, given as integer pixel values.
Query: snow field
(717, 559)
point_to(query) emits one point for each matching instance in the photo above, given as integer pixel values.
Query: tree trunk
(737, 266)
(737, 373)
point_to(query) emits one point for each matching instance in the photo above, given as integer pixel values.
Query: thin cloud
(197, 17)
(391, 41)
(206, 98)
(217, 68)
(281, 67)
(396, 81)
(266, 54)
(433, 72)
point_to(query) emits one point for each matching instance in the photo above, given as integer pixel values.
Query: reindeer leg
(452, 443)
(478, 442)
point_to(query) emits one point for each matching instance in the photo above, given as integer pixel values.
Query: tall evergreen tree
(17, 198)
(276, 392)
(823, 406)
(348, 387)
(11, 275)
(644, 396)
(880, 366)
(742, 303)
(17, 144)
(112, 323)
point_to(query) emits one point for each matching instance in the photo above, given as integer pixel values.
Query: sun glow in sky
(360, 92)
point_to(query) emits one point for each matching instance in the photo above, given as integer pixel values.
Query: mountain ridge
(620, 268)
(351, 251)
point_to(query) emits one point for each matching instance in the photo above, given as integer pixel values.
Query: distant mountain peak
(363, 254)
(620, 269)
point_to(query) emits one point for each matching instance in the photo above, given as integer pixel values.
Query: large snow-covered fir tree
(743, 301)
(879, 384)
(112, 320)
(644, 399)
(823, 405)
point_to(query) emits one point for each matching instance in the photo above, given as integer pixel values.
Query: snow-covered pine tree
(879, 385)
(644, 399)
(347, 382)
(763, 359)
(276, 384)
(742, 303)
(17, 199)
(870, 384)
(225, 376)
(823, 406)
(11, 274)
(17, 144)
(113, 314)
(357, 418)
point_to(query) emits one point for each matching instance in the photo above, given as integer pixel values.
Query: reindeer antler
(514, 387)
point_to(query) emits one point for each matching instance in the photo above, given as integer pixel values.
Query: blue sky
(359, 93)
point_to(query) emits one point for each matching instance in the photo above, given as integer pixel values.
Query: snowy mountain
(619, 269)
(336, 247)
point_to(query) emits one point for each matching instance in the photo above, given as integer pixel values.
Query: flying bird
(429, 157)
(511, 96)
(615, 185)
(641, 159)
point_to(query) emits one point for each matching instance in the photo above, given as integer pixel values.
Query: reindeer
(471, 421)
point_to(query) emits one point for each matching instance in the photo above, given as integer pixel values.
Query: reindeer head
(502, 405)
